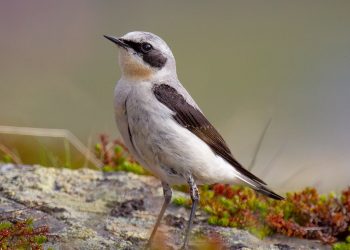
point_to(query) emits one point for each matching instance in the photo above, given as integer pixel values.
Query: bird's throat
(133, 68)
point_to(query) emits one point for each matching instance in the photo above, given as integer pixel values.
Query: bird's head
(144, 56)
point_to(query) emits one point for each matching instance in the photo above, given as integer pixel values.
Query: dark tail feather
(264, 190)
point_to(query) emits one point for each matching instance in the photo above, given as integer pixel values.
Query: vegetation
(115, 156)
(304, 214)
(21, 234)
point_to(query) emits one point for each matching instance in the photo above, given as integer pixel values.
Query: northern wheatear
(164, 128)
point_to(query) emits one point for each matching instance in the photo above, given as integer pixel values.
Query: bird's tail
(264, 190)
(260, 187)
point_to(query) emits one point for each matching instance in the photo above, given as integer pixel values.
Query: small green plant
(115, 157)
(8, 156)
(22, 234)
(342, 245)
(7, 159)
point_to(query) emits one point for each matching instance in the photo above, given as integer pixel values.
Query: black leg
(167, 198)
(195, 198)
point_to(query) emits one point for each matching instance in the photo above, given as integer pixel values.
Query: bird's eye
(146, 47)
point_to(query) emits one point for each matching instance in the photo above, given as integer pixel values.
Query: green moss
(213, 220)
(22, 235)
(226, 202)
(132, 167)
(341, 246)
(5, 225)
(7, 159)
(208, 209)
(236, 206)
(260, 232)
(181, 201)
(116, 158)
(40, 239)
(223, 222)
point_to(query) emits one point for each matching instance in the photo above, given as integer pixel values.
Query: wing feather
(194, 120)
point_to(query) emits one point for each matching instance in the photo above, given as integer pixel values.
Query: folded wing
(194, 120)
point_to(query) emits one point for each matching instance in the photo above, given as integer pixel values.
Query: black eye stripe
(153, 57)
(135, 46)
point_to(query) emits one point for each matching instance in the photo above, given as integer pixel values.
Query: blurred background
(272, 76)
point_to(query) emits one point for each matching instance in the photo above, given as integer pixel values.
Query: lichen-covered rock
(87, 209)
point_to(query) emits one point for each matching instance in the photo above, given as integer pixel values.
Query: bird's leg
(195, 198)
(167, 198)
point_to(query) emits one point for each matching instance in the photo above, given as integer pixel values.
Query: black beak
(117, 41)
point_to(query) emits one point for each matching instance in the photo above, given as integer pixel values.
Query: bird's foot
(148, 246)
(185, 247)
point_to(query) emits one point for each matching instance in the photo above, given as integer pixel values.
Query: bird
(165, 130)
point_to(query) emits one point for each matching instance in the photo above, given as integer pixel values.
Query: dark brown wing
(193, 119)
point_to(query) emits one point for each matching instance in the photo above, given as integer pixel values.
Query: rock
(89, 209)
(126, 208)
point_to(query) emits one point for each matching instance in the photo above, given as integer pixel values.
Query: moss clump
(7, 159)
(116, 157)
(182, 201)
(303, 214)
(342, 245)
(22, 235)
